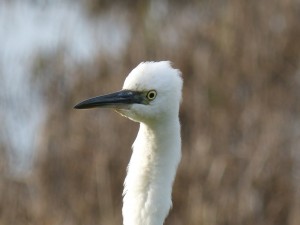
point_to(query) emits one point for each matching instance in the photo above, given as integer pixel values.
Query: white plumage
(151, 95)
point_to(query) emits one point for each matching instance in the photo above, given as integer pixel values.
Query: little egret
(151, 95)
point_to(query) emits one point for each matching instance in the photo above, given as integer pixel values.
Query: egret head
(151, 93)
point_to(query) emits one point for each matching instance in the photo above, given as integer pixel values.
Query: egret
(151, 95)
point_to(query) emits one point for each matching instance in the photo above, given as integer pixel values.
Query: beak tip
(78, 106)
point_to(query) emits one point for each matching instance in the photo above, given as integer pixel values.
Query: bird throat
(150, 175)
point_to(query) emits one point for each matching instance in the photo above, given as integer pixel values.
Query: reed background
(240, 118)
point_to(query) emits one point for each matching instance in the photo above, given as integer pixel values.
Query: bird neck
(151, 172)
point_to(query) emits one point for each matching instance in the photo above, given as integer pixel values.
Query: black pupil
(151, 95)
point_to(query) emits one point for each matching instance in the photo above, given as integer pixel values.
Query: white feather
(157, 148)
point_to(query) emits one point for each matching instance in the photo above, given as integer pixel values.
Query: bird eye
(151, 95)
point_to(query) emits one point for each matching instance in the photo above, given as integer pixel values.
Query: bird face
(151, 92)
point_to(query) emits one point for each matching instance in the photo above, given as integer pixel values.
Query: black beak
(120, 99)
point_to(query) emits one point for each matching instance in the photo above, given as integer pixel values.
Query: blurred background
(240, 113)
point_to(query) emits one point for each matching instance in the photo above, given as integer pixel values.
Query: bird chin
(127, 113)
(123, 111)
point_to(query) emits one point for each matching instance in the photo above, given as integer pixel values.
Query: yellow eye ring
(151, 95)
